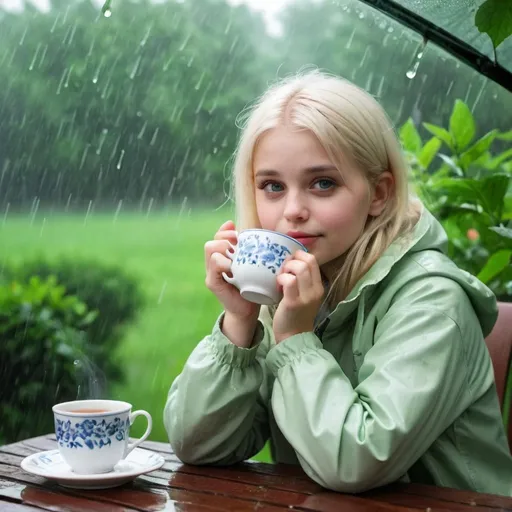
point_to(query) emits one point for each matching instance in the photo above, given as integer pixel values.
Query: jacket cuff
(292, 349)
(228, 353)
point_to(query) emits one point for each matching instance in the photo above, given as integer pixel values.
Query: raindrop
(66, 84)
(55, 23)
(120, 161)
(5, 214)
(411, 73)
(182, 47)
(84, 156)
(198, 85)
(103, 136)
(135, 67)
(153, 139)
(64, 73)
(233, 45)
(118, 209)
(106, 9)
(449, 88)
(150, 205)
(144, 168)
(143, 129)
(350, 39)
(97, 73)
(467, 94)
(34, 208)
(31, 67)
(22, 40)
(361, 15)
(42, 227)
(391, 30)
(479, 95)
(415, 64)
(381, 86)
(76, 362)
(171, 188)
(146, 36)
(89, 208)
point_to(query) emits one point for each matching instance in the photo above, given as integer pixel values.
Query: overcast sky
(267, 7)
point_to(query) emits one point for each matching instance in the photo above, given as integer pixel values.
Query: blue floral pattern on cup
(259, 250)
(90, 433)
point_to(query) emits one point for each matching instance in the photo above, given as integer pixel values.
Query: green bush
(466, 184)
(42, 334)
(107, 289)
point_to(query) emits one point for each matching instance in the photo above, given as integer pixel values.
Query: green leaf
(505, 135)
(494, 17)
(498, 160)
(440, 133)
(495, 264)
(410, 137)
(477, 149)
(488, 192)
(429, 151)
(452, 164)
(462, 125)
(502, 231)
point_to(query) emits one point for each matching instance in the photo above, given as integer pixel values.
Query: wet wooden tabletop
(247, 486)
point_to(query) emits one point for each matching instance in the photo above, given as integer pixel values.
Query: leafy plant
(108, 289)
(42, 334)
(494, 17)
(466, 183)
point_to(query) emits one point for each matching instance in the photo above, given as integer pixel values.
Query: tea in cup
(93, 435)
(257, 259)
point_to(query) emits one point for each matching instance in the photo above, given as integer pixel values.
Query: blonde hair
(350, 124)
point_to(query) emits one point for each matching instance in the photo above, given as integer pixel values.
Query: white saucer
(51, 465)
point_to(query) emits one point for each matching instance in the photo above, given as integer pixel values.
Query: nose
(296, 209)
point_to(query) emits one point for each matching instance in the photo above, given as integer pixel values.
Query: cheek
(265, 213)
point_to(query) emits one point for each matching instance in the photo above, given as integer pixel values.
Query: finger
(229, 225)
(288, 283)
(301, 270)
(312, 263)
(285, 261)
(217, 265)
(226, 234)
(214, 246)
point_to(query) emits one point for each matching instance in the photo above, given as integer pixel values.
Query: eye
(271, 187)
(324, 184)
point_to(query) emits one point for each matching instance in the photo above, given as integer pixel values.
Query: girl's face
(300, 192)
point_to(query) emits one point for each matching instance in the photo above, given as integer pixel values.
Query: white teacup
(93, 435)
(257, 258)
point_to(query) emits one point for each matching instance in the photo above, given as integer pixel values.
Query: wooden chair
(499, 343)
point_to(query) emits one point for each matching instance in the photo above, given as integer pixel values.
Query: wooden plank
(7, 506)
(49, 499)
(423, 493)
(431, 502)
(323, 502)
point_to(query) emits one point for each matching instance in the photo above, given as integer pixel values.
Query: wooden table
(248, 486)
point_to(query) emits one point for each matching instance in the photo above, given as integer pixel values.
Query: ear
(381, 193)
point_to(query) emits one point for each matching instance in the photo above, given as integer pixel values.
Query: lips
(306, 239)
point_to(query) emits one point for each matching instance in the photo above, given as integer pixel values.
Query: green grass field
(165, 252)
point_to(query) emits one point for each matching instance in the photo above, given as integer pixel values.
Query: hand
(303, 292)
(217, 262)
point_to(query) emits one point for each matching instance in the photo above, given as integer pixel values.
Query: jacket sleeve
(216, 410)
(413, 383)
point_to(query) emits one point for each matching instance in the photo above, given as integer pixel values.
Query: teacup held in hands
(257, 258)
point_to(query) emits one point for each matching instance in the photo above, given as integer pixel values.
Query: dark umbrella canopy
(475, 31)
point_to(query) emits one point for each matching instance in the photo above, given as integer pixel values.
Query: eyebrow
(308, 170)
